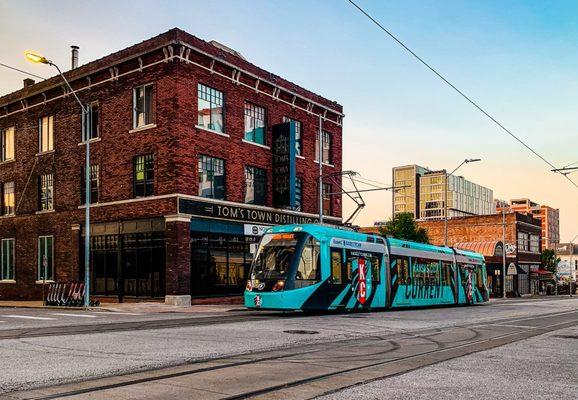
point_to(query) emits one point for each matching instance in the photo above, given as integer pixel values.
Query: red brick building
(483, 233)
(182, 148)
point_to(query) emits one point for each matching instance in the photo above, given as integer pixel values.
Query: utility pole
(87, 173)
(320, 159)
(504, 250)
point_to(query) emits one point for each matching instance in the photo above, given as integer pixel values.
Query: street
(512, 347)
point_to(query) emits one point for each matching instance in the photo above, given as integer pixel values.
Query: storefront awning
(487, 249)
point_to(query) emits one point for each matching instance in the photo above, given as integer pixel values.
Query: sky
(515, 58)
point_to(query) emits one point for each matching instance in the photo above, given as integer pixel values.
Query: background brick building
(181, 186)
(522, 246)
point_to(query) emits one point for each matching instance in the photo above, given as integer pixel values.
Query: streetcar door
(339, 276)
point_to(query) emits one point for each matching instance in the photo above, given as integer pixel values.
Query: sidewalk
(144, 308)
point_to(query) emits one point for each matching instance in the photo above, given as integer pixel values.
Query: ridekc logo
(362, 281)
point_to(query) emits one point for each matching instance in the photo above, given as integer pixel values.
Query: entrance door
(340, 274)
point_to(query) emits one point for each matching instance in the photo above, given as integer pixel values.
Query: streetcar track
(527, 332)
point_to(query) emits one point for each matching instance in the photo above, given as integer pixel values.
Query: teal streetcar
(318, 267)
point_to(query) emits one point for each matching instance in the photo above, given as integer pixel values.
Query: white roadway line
(115, 313)
(74, 315)
(28, 317)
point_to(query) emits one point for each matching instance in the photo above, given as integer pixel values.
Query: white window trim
(2, 131)
(44, 153)
(38, 258)
(298, 156)
(134, 113)
(13, 259)
(202, 128)
(325, 163)
(256, 144)
(143, 128)
(94, 140)
(8, 161)
(40, 135)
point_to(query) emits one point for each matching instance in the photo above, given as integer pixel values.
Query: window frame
(87, 122)
(3, 207)
(254, 110)
(4, 276)
(135, 112)
(253, 170)
(45, 203)
(3, 145)
(146, 183)
(94, 184)
(327, 198)
(40, 275)
(209, 90)
(202, 160)
(327, 146)
(49, 134)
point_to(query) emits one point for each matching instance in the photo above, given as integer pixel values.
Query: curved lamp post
(43, 60)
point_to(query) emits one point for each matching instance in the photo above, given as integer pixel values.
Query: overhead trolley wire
(472, 102)
(22, 71)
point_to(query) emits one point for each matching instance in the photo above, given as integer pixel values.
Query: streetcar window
(275, 255)
(446, 273)
(375, 261)
(336, 262)
(402, 265)
(309, 262)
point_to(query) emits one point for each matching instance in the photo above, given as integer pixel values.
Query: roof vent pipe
(74, 56)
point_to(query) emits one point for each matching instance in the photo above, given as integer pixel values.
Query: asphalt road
(46, 361)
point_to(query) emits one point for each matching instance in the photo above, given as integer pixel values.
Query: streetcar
(319, 267)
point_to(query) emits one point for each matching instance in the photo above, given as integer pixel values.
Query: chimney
(28, 82)
(74, 56)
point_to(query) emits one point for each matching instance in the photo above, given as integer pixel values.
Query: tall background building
(549, 217)
(421, 192)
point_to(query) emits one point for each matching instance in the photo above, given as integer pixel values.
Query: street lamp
(466, 161)
(43, 60)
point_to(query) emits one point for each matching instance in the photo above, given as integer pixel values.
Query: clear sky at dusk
(517, 58)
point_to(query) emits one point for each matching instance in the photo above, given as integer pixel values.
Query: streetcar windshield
(275, 255)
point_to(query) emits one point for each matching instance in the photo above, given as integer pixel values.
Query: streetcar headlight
(279, 285)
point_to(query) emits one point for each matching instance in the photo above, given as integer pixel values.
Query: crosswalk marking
(74, 315)
(28, 317)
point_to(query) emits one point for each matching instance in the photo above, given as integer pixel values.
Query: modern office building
(550, 218)
(406, 189)
(463, 197)
(183, 172)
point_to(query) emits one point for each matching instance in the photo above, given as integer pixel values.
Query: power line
(22, 71)
(472, 102)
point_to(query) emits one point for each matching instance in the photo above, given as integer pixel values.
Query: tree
(549, 260)
(402, 226)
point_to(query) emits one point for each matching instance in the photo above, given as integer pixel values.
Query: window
(7, 141)
(46, 134)
(371, 258)
(327, 159)
(534, 244)
(523, 241)
(402, 265)
(8, 198)
(255, 126)
(7, 260)
(91, 122)
(46, 258)
(142, 106)
(144, 176)
(327, 198)
(255, 185)
(336, 266)
(298, 194)
(298, 141)
(94, 184)
(46, 192)
(211, 177)
(210, 108)
(309, 263)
